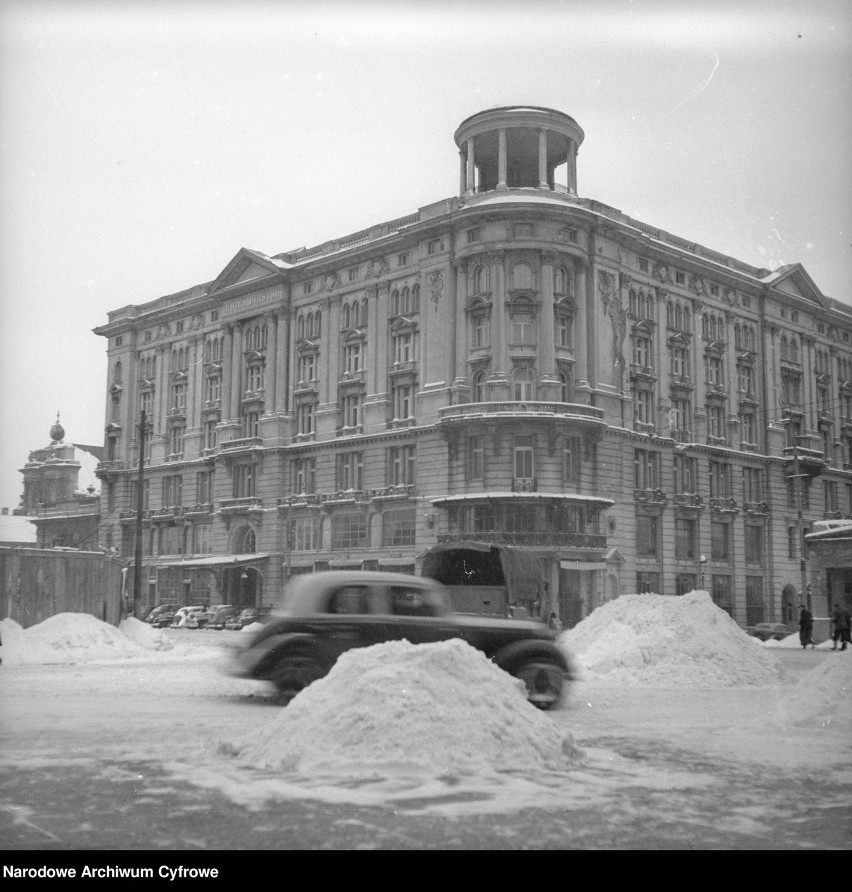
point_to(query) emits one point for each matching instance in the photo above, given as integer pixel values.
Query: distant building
(514, 365)
(63, 513)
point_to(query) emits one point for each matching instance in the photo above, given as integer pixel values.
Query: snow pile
(823, 697)
(65, 638)
(666, 640)
(144, 635)
(442, 707)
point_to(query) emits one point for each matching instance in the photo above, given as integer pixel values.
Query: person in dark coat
(806, 626)
(840, 627)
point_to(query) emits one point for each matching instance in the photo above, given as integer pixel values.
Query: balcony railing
(524, 484)
(530, 539)
(240, 504)
(723, 506)
(577, 411)
(650, 496)
(687, 500)
(242, 443)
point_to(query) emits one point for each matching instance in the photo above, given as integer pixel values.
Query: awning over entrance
(228, 560)
(582, 565)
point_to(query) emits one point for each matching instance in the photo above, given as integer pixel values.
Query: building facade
(65, 514)
(515, 365)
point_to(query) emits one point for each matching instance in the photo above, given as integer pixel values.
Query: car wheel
(544, 680)
(294, 671)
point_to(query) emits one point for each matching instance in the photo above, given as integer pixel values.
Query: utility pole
(140, 485)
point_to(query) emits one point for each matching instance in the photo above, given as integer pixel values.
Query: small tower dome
(57, 432)
(518, 147)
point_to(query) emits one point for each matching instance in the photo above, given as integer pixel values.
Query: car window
(413, 601)
(349, 599)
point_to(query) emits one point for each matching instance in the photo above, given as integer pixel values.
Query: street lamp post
(702, 560)
(137, 557)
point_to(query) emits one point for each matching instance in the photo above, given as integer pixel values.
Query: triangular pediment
(794, 281)
(247, 266)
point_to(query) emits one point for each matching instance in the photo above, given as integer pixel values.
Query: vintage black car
(327, 613)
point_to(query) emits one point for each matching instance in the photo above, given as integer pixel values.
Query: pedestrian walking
(806, 626)
(840, 621)
(554, 622)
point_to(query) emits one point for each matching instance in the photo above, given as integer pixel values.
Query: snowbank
(666, 640)
(441, 707)
(72, 638)
(144, 634)
(823, 697)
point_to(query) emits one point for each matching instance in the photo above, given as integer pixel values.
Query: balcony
(108, 467)
(576, 412)
(301, 500)
(167, 513)
(524, 484)
(811, 461)
(200, 510)
(650, 497)
(240, 505)
(346, 497)
(241, 445)
(723, 506)
(756, 509)
(687, 500)
(395, 492)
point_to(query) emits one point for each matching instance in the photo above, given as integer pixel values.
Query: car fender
(266, 652)
(518, 652)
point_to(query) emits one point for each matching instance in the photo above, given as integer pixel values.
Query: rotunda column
(581, 370)
(542, 159)
(462, 172)
(461, 334)
(470, 187)
(501, 160)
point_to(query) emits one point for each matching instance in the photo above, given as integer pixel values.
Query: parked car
(246, 617)
(765, 631)
(163, 617)
(149, 614)
(330, 612)
(183, 613)
(203, 619)
(223, 614)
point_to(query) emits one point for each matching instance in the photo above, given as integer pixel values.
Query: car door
(342, 623)
(414, 614)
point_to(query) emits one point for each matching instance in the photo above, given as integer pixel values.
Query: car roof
(308, 586)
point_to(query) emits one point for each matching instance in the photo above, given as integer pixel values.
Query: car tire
(294, 670)
(544, 680)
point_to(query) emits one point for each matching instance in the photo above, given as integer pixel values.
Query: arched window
(395, 302)
(245, 541)
(524, 384)
(477, 388)
(560, 281)
(480, 280)
(565, 387)
(346, 315)
(415, 299)
(522, 277)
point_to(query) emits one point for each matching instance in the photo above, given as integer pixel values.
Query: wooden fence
(38, 583)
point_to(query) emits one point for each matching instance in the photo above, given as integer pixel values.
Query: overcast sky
(143, 144)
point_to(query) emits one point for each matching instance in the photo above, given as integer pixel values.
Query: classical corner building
(516, 365)
(60, 497)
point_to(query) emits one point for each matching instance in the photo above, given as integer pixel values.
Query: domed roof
(57, 432)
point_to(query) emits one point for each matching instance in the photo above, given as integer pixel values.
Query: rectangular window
(403, 347)
(685, 582)
(308, 287)
(210, 433)
(254, 378)
(680, 362)
(352, 403)
(680, 278)
(305, 416)
(721, 592)
(398, 528)
(201, 538)
(830, 488)
(571, 460)
(685, 529)
(563, 330)
(173, 490)
(434, 246)
(646, 466)
(176, 435)
(402, 260)
(647, 583)
(716, 422)
(251, 424)
(748, 428)
(643, 266)
(754, 600)
(204, 487)
(715, 370)
(522, 325)
(213, 389)
(353, 274)
(754, 544)
(752, 485)
(642, 352)
(475, 458)
(720, 480)
(306, 534)
(304, 475)
(350, 470)
(720, 540)
(681, 417)
(481, 332)
(243, 481)
(307, 368)
(646, 535)
(521, 519)
(473, 235)
(349, 531)
(401, 465)
(524, 463)
(685, 475)
(403, 401)
(643, 406)
(352, 358)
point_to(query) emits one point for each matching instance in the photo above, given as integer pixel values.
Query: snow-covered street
(681, 732)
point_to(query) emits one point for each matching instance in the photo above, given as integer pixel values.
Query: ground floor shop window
(754, 600)
(647, 582)
(721, 592)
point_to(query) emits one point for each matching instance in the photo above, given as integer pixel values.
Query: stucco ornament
(611, 300)
(377, 266)
(436, 286)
